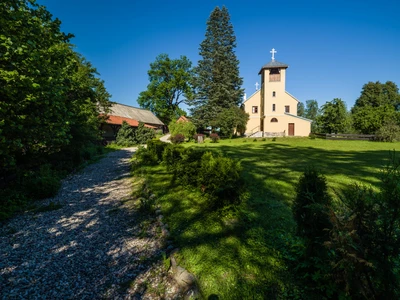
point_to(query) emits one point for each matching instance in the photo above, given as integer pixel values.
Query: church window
(274, 120)
(254, 109)
(287, 109)
(273, 107)
(273, 94)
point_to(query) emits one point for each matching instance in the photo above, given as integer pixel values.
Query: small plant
(166, 261)
(255, 140)
(43, 183)
(263, 139)
(214, 137)
(178, 139)
(274, 139)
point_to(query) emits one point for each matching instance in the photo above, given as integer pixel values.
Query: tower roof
(274, 64)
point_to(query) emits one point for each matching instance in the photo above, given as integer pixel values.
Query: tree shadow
(248, 244)
(89, 248)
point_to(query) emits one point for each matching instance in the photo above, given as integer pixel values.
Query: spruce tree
(217, 80)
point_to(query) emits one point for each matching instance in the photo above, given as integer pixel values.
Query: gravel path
(90, 248)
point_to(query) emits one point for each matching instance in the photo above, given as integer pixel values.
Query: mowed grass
(239, 253)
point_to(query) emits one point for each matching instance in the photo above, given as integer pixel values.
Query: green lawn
(239, 253)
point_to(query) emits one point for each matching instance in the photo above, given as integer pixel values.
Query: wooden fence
(342, 136)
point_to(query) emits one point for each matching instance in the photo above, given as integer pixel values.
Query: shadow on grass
(237, 253)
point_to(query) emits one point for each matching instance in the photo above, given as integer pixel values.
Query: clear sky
(332, 47)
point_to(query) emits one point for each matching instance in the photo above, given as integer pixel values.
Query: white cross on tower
(256, 86)
(273, 51)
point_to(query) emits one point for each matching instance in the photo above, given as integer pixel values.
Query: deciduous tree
(379, 103)
(301, 109)
(333, 117)
(170, 86)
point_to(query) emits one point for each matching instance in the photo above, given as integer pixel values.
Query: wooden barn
(132, 115)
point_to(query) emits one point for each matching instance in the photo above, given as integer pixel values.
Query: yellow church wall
(276, 103)
(254, 119)
(301, 127)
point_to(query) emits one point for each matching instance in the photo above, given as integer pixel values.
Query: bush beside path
(87, 242)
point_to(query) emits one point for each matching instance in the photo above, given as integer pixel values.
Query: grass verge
(240, 252)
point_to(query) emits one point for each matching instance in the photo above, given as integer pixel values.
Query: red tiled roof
(182, 119)
(118, 121)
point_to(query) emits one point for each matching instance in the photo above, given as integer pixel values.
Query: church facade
(272, 110)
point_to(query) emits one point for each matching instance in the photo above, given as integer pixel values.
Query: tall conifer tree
(217, 80)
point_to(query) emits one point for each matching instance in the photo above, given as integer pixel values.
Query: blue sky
(332, 47)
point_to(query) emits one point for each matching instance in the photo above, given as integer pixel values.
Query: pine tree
(217, 80)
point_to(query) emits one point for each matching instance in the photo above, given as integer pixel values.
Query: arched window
(274, 120)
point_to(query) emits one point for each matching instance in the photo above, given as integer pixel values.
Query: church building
(272, 110)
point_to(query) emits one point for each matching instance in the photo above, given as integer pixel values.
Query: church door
(291, 129)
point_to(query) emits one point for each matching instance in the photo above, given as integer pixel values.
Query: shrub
(144, 156)
(311, 205)
(389, 132)
(126, 135)
(214, 137)
(41, 184)
(178, 139)
(144, 134)
(311, 210)
(156, 148)
(187, 129)
(219, 178)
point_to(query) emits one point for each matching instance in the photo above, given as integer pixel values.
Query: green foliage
(369, 120)
(50, 95)
(311, 112)
(144, 134)
(42, 184)
(214, 137)
(301, 109)
(126, 135)
(12, 199)
(169, 80)
(389, 132)
(365, 237)
(333, 117)
(311, 206)
(156, 148)
(187, 129)
(219, 178)
(378, 104)
(217, 80)
(178, 138)
(311, 212)
(231, 120)
(144, 157)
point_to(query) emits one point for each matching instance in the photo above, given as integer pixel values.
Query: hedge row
(218, 177)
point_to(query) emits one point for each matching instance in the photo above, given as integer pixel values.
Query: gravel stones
(89, 248)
